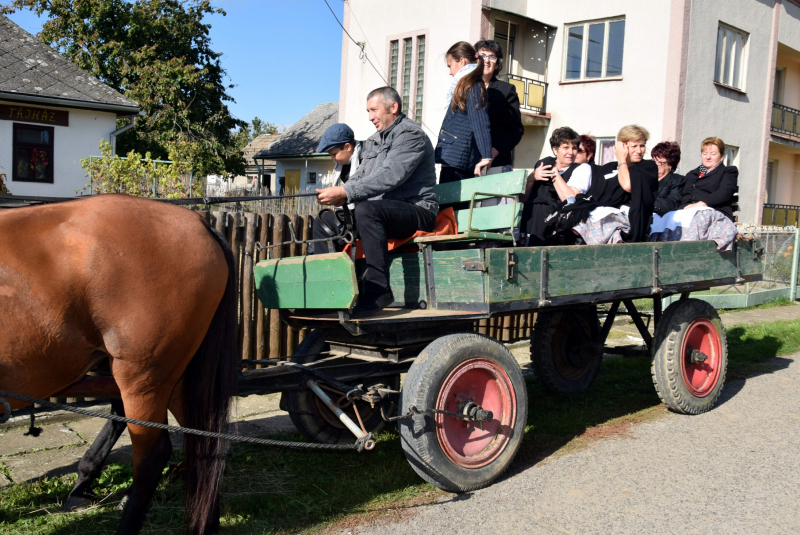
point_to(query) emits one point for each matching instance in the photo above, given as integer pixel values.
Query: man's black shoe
(370, 302)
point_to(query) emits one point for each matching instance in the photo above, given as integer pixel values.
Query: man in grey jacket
(393, 191)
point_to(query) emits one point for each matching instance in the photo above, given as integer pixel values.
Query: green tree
(158, 53)
(252, 130)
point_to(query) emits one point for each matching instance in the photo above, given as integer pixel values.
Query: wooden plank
(317, 281)
(247, 286)
(490, 217)
(453, 283)
(262, 333)
(274, 318)
(589, 269)
(234, 236)
(407, 278)
(512, 183)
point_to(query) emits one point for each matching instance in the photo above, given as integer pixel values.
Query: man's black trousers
(376, 222)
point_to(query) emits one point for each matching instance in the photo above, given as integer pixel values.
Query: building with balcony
(684, 69)
(52, 114)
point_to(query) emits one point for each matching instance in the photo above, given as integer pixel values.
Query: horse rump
(209, 383)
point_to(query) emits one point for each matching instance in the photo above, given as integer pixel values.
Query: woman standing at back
(465, 143)
(505, 121)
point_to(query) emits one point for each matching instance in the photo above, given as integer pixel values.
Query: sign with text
(33, 114)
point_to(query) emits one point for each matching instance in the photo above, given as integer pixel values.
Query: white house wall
(601, 108)
(445, 22)
(70, 143)
(737, 118)
(319, 166)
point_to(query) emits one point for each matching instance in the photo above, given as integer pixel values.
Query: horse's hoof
(122, 503)
(75, 504)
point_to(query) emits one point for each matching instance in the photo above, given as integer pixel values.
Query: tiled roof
(302, 138)
(264, 141)
(30, 67)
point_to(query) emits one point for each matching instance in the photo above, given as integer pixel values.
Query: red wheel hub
(702, 355)
(476, 444)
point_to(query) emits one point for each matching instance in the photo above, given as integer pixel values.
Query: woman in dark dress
(706, 209)
(556, 181)
(620, 203)
(667, 156)
(464, 147)
(505, 121)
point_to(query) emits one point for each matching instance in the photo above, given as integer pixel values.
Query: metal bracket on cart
(468, 411)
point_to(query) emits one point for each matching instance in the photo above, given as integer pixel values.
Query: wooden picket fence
(261, 332)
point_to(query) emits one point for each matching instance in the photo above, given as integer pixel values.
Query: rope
(358, 446)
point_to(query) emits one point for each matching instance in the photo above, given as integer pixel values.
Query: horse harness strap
(360, 444)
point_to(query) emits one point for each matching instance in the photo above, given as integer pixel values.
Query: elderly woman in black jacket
(706, 209)
(505, 121)
(667, 156)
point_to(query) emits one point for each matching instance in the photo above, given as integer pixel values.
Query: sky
(283, 56)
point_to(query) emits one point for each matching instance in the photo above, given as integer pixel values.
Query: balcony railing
(785, 120)
(781, 215)
(532, 93)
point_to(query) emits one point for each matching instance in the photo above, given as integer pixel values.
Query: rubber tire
(421, 388)
(306, 410)
(665, 367)
(543, 349)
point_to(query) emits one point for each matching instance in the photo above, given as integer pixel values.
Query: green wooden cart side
(498, 279)
(318, 281)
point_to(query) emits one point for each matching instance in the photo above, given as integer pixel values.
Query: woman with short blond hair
(620, 203)
(706, 211)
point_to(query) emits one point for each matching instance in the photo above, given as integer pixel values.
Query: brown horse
(147, 287)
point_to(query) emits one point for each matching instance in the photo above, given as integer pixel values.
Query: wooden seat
(481, 222)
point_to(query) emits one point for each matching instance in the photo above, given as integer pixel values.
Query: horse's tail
(209, 383)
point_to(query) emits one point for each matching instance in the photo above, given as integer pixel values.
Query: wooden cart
(462, 406)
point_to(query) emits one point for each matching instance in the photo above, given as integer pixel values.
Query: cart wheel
(453, 370)
(312, 418)
(691, 357)
(563, 353)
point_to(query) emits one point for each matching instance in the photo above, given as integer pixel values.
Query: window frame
(311, 177)
(585, 50)
(745, 53)
(49, 179)
(599, 141)
(733, 150)
(399, 40)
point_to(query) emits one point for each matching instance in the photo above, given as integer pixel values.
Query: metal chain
(358, 446)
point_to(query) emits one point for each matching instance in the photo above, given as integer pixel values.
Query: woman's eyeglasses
(487, 57)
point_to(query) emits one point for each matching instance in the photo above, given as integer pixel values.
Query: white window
(731, 155)
(731, 57)
(407, 71)
(605, 151)
(594, 49)
(312, 177)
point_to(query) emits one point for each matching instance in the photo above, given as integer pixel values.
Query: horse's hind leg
(92, 462)
(151, 451)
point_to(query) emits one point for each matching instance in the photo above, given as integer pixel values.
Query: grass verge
(270, 491)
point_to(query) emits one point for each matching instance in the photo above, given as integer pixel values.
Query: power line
(353, 13)
(364, 52)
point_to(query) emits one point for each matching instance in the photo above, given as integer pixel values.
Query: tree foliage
(158, 53)
(139, 175)
(252, 130)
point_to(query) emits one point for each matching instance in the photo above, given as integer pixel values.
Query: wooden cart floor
(391, 314)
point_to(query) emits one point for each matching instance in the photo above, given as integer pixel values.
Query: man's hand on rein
(335, 196)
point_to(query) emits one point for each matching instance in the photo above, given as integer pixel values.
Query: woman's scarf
(462, 72)
(704, 170)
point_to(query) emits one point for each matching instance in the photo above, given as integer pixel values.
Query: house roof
(31, 70)
(302, 138)
(260, 143)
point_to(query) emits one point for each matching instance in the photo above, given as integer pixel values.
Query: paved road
(733, 470)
